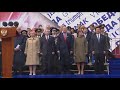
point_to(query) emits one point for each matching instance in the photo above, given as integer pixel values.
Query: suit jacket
(21, 40)
(107, 40)
(65, 46)
(47, 47)
(88, 38)
(98, 46)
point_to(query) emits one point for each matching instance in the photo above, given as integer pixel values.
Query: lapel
(62, 36)
(48, 39)
(96, 38)
(99, 38)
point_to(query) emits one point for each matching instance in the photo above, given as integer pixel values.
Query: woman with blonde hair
(32, 50)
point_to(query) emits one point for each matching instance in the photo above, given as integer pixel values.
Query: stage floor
(68, 76)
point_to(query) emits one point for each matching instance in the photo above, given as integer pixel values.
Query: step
(85, 70)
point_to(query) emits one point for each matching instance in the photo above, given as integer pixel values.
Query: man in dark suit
(19, 56)
(65, 49)
(107, 39)
(47, 49)
(88, 35)
(98, 47)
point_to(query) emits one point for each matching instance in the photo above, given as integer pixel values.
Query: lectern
(7, 34)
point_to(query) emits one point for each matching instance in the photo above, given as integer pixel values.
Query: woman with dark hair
(80, 51)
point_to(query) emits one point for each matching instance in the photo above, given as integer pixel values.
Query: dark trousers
(89, 57)
(0, 64)
(99, 63)
(64, 64)
(47, 64)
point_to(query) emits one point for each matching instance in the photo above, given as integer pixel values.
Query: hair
(38, 29)
(92, 25)
(99, 26)
(102, 26)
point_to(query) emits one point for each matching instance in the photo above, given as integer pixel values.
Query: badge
(4, 32)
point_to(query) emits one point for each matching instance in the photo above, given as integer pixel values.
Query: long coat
(80, 48)
(32, 51)
(19, 56)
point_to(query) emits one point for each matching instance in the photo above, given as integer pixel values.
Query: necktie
(47, 37)
(65, 37)
(98, 37)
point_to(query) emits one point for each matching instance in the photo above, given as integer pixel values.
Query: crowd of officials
(56, 49)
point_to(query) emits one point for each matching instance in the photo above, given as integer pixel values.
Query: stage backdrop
(33, 19)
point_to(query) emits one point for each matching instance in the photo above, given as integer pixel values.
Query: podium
(7, 34)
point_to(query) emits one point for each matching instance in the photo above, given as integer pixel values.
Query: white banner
(110, 19)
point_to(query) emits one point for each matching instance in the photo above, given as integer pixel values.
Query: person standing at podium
(32, 51)
(19, 56)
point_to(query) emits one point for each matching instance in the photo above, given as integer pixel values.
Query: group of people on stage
(55, 50)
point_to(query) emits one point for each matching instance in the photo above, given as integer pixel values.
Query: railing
(116, 43)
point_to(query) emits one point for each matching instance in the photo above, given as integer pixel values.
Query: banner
(33, 19)
(110, 19)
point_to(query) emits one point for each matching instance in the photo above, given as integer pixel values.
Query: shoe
(30, 74)
(34, 74)
(105, 63)
(82, 73)
(89, 64)
(78, 73)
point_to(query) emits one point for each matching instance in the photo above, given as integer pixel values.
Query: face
(47, 32)
(97, 30)
(48, 27)
(92, 28)
(64, 29)
(32, 34)
(102, 29)
(85, 30)
(38, 33)
(72, 30)
(80, 33)
(24, 33)
(53, 32)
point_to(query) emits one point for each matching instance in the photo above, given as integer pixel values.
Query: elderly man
(65, 48)
(47, 47)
